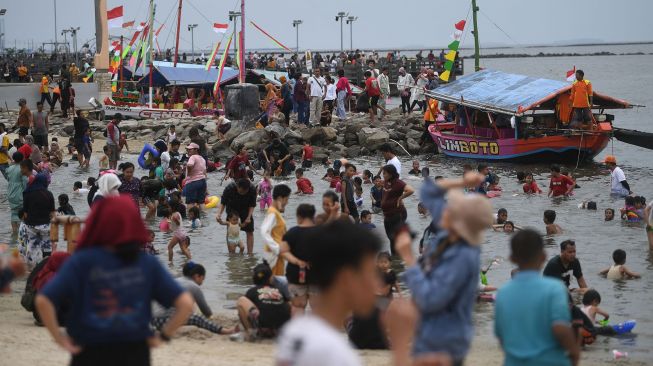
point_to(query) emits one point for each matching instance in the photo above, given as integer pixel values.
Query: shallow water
(229, 275)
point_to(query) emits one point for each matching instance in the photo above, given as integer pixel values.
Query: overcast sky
(381, 24)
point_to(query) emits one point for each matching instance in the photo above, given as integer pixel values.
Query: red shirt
(334, 182)
(531, 188)
(392, 190)
(372, 87)
(304, 185)
(308, 153)
(238, 165)
(26, 150)
(560, 185)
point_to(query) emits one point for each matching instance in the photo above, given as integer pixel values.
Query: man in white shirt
(390, 158)
(384, 86)
(343, 259)
(405, 82)
(316, 90)
(618, 184)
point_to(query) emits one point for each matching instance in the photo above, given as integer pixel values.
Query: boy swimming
(549, 222)
(618, 270)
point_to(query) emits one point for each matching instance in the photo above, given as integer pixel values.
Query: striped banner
(216, 87)
(212, 57)
(269, 36)
(131, 43)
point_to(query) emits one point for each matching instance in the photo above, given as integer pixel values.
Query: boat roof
(183, 75)
(512, 94)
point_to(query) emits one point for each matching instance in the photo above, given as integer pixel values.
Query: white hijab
(108, 185)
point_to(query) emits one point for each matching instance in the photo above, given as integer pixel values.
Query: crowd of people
(327, 271)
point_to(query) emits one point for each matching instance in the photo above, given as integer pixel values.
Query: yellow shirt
(45, 84)
(277, 232)
(4, 157)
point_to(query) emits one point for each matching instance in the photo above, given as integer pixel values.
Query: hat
(262, 273)
(610, 159)
(470, 215)
(193, 145)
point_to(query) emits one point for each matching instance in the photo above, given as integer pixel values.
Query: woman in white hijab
(108, 185)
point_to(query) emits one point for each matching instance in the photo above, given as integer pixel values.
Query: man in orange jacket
(581, 102)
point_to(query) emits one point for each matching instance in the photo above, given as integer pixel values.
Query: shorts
(301, 290)
(581, 115)
(195, 192)
(181, 236)
(114, 153)
(41, 140)
(22, 131)
(86, 152)
(79, 145)
(233, 241)
(353, 209)
(253, 317)
(374, 101)
(307, 164)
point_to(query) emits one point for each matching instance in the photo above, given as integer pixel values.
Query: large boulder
(372, 138)
(396, 135)
(277, 128)
(251, 139)
(338, 150)
(413, 134)
(222, 151)
(412, 146)
(319, 134)
(353, 152)
(330, 133)
(69, 130)
(295, 150)
(293, 138)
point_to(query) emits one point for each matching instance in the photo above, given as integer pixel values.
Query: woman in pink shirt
(343, 90)
(195, 188)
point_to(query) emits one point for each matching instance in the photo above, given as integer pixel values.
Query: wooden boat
(634, 137)
(519, 118)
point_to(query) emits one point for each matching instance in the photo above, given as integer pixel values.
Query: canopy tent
(165, 73)
(511, 94)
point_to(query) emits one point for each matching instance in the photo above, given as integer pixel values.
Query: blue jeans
(340, 111)
(3, 168)
(302, 112)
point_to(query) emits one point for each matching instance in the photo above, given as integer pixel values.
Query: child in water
(501, 216)
(367, 176)
(149, 246)
(530, 186)
(376, 194)
(618, 270)
(64, 206)
(549, 222)
(591, 302)
(507, 227)
(194, 217)
(79, 189)
(629, 211)
(233, 233)
(104, 159)
(164, 224)
(178, 235)
(609, 214)
(388, 276)
(358, 192)
(264, 191)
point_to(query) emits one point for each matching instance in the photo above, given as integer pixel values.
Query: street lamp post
(191, 28)
(73, 32)
(55, 25)
(350, 21)
(295, 24)
(2, 30)
(233, 16)
(339, 17)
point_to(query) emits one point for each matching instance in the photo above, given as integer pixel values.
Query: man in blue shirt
(532, 315)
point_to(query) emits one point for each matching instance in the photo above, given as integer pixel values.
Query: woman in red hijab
(110, 284)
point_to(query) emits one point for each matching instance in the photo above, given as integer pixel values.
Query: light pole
(2, 30)
(64, 33)
(73, 32)
(350, 21)
(341, 15)
(191, 28)
(55, 25)
(295, 24)
(233, 16)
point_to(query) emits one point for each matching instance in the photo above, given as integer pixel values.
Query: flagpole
(120, 70)
(151, 51)
(177, 36)
(241, 58)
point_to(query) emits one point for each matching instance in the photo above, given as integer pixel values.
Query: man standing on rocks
(113, 141)
(24, 119)
(40, 127)
(81, 125)
(317, 89)
(384, 86)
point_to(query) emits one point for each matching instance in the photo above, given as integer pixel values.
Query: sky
(381, 24)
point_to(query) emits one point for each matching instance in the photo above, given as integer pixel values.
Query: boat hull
(153, 113)
(549, 149)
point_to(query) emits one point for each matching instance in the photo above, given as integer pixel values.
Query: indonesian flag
(571, 74)
(128, 24)
(220, 28)
(114, 17)
(141, 26)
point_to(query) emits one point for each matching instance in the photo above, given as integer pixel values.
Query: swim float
(147, 148)
(211, 201)
(624, 327)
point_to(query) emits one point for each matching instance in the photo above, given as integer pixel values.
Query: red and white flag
(128, 24)
(114, 17)
(571, 74)
(220, 28)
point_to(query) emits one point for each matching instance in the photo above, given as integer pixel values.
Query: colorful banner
(114, 17)
(220, 27)
(131, 43)
(216, 87)
(89, 75)
(571, 74)
(453, 50)
(269, 36)
(212, 57)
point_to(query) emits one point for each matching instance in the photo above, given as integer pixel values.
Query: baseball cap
(610, 159)
(470, 215)
(192, 145)
(262, 273)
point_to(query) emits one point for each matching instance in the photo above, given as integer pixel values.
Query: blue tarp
(184, 74)
(499, 91)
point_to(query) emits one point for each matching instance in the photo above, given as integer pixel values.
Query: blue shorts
(195, 192)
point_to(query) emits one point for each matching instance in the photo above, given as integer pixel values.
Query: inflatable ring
(624, 327)
(212, 202)
(147, 148)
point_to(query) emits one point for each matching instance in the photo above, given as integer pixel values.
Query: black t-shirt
(299, 247)
(272, 304)
(38, 206)
(280, 150)
(81, 125)
(556, 269)
(367, 332)
(237, 202)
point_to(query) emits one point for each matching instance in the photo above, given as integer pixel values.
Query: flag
(212, 57)
(216, 87)
(571, 74)
(128, 24)
(89, 75)
(220, 28)
(156, 37)
(141, 26)
(457, 35)
(460, 25)
(114, 17)
(131, 43)
(450, 56)
(454, 45)
(445, 75)
(115, 45)
(269, 36)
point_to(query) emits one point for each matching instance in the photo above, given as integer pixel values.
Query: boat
(634, 137)
(512, 117)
